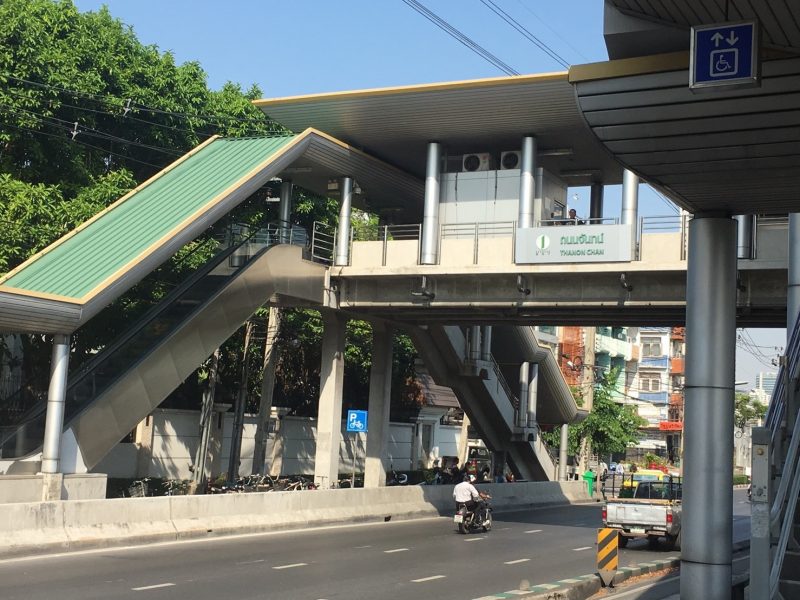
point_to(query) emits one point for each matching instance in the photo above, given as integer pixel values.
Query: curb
(583, 586)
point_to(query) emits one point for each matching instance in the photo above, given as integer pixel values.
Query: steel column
(562, 453)
(380, 391)
(792, 306)
(329, 414)
(533, 392)
(522, 411)
(430, 218)
(285, 212)
(744, 236)
(343, 228)
(710, 351)
(475, 342)
(486, 342)
(56, 396)
(630, 198)
(527, 184)
(596, 201)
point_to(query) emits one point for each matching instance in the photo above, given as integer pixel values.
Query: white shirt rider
(465, 491)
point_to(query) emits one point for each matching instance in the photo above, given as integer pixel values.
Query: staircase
(775, 552)
(109, 395)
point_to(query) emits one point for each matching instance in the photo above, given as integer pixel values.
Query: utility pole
(587, 392)
(206, 415)
(241, 404)
(271, 356)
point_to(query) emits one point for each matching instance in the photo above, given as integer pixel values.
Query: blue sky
(293, 47)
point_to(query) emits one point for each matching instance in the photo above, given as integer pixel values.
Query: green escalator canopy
(78, 265)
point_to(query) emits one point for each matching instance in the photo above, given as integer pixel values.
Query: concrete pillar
(744, 236)
(522, 412)
(486, 342)
(329, 416)
(527, 184)
(533, 391)
(596, 202)
(343, 228)
(285, 212)
(630, 206)
(792, 307)
(710, 352)
(562, 453)
(430, 218)
(380, 390)
(144, 440)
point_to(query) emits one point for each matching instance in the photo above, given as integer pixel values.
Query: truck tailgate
(640, 514)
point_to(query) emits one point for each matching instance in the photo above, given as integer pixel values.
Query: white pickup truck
(653, 512)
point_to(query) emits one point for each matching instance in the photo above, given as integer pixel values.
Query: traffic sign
(356, 420)
(724, 55)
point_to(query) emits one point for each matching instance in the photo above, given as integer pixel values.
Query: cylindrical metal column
(533, 392)
(744, 236)
(710, 351)
(430, 217)
(285, 212)
(475, 342)
(562, 453)
(56, 395)
(343, 230)
(630, 198)
(793, 291)
(486, 343)
(527, 184)
(522, 412)
(596, 202)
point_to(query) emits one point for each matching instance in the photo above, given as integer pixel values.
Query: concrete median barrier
(32, 528)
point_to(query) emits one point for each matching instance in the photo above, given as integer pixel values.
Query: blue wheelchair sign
(724, 54)
(356, 420)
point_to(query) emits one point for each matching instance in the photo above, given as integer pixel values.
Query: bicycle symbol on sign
(357, 420)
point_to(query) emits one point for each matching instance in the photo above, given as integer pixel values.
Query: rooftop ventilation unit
(476, 162)
(512, 159)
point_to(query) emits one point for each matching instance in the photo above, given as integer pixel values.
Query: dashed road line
(582, 548)
(251, 562)
(152, 587)
(361, 547)
(395, 550)
(431, 578)
(534, 531)
(291, 566)
(477, 539)
(516, 562)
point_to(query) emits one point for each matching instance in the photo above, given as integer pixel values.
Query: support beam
(710, 352)
(54, 420)
(430, 219)
(630, 207)
(329, 416)
(285, 212)
(522, 411)
(475, 343)
(562, 453)
(792, 307)
(486, 342)
(527, 184)
(744, 236)
(596, 202)
(343, 228)
(533, 392)
(380, 391)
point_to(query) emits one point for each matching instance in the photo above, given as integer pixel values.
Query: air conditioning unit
(511, 159)
(476, 162)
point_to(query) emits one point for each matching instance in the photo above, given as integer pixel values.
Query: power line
(555, 31)
(461, 37)
(525, 33)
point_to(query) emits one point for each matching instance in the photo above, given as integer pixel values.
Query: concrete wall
(56, 526)
(28, 488)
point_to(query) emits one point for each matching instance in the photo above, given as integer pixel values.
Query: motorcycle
(469, 521)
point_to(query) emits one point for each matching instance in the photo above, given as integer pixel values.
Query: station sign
(724, 55)
(573, 244)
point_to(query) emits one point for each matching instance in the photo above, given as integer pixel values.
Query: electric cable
(555, 32)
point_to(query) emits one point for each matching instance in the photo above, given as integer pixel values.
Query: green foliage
(610, 427)
(747, 410)
(740, 479)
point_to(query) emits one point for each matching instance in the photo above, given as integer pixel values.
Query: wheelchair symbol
(724, 62)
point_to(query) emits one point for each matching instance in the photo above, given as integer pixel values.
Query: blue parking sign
(725, 54)
(356, 420)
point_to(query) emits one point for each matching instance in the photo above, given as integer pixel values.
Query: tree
(747, 410)
(610, 427)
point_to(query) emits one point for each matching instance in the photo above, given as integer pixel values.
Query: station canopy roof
(484, 115)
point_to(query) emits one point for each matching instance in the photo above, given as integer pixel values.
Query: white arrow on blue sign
(724, 55)
(356, 420)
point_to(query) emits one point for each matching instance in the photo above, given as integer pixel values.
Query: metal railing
(323, 242)
(665, 224)
(579, 221)
(476, 231)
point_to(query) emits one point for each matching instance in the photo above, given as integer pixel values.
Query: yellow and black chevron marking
(607, 549)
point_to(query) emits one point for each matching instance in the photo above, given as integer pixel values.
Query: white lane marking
(395, 550)
(152, 587)
(291, 566)
(534, 531)
(361, 547)
(251, 562)
(582, 548)
(516, 562)
(428, 578)
(503, 528)
(646, 587)
(477, 539)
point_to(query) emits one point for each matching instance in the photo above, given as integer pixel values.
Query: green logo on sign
(542, 242)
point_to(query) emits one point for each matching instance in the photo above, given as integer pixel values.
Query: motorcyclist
(467, 494)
